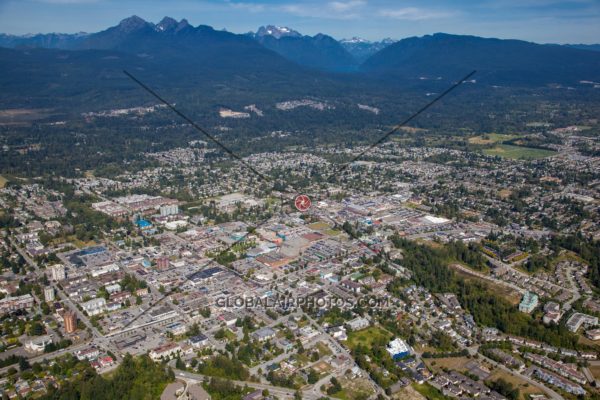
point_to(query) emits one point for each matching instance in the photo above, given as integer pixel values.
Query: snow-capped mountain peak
(276, 31)
(355, 40)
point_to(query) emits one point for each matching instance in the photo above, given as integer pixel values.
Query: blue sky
(543, 21)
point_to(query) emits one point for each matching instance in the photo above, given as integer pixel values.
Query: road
(48, 356)
(100, 340)
(339, 349)
(275, 390)
(489, 278)
(553, 395)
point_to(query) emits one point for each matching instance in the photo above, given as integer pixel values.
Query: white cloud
(344, 6)
(331, 10)
(414, 13)
(251, 7)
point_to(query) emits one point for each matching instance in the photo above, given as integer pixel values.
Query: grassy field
(429, 392)
(3, 181)
(355, 389)
(408, 393)
(525, 389)
(367, 337)
(518, 152)
(453, 363)
(319, 226)
(595, 370)
(491, 138)
(323, 349)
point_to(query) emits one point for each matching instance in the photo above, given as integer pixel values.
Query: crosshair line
(268, 179)
(198, 127)
(403, 123)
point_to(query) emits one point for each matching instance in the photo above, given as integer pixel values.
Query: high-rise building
(49, 293)
(70, 321)
(58, 272)
(169, 209)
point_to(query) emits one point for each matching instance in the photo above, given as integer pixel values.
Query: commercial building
(38, 344)
(10, 304)
(398, 349)
(94, 306)
(165, 352)
(198, 341)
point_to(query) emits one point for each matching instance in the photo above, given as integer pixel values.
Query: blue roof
(142, 223)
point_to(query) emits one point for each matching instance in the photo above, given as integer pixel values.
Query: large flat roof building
(398, 349)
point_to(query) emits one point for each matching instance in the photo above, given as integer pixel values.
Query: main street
(99, 339)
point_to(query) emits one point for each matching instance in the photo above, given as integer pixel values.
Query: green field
(368, 336)
(490, 138)
(518, 152)
(3, 181)
(319, 226)
(429, 392)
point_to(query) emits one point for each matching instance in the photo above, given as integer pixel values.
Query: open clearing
(319, 226)
(525, 389)
(23, 116)
(506, 292)
(453, 363)
(518, 152)
(428, 391)
(408, 393)
(595, 370)
(368, 336)
(491, 138)
(3, 181)
(354, 389)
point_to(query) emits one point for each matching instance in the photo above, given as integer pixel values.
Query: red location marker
(302, 202)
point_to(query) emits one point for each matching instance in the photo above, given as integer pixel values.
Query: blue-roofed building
(398, 349)
(143, 224)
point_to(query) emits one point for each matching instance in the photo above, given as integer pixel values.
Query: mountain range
(275, 59)
(499, 61)
(319, 51)
(362, 49)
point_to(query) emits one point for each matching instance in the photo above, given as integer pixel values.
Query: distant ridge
(498, 61)
(361, 49)
(319, 51)
(278, 52)
(591, 47)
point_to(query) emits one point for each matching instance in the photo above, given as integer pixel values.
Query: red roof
(312, 236)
